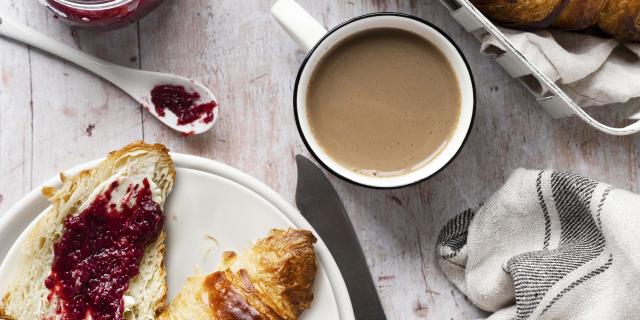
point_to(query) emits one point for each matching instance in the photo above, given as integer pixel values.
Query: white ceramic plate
(213, 208)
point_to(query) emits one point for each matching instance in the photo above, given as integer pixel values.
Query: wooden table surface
(54, 115)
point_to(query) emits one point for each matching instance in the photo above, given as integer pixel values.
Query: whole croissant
(619, 18)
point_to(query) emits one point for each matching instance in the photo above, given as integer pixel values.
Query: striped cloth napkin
(548, 245)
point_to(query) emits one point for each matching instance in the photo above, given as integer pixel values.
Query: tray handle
(616, 131)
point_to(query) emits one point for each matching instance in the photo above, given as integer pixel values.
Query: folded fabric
(593, 71)
(548, 245)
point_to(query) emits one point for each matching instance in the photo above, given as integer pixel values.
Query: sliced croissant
(130, 167)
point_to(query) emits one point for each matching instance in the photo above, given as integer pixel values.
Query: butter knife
(320, 204)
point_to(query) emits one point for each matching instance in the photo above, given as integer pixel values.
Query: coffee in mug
(383, 102)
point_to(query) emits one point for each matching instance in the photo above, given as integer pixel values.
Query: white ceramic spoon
(137, 83)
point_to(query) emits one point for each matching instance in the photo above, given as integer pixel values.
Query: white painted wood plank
(77, 116)
(15, 114)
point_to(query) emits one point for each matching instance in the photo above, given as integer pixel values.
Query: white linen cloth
(548, 245)
(593, 71)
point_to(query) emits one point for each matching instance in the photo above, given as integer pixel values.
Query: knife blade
(320, 204)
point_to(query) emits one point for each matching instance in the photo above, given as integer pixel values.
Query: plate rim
(336, 281)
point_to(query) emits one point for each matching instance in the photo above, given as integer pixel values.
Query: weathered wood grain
(77, 115)
(15, 114)
(238, 50)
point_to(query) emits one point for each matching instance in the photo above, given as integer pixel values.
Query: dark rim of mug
(329, 33)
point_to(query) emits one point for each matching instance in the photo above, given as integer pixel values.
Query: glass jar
(100, 14)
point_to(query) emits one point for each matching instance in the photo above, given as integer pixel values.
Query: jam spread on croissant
(181, 103)
(100, 251)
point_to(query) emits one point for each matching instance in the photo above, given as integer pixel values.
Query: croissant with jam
(98, 251)
(272, 281)
(619, 18)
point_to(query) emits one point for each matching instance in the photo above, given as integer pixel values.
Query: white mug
(317, 41)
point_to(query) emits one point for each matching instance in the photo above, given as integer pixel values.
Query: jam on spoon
(182, 103)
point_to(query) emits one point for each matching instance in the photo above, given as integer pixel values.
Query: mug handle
(298, 23)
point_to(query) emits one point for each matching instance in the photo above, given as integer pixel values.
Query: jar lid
(59, 5)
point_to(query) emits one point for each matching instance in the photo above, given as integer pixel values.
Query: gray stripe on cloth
(581, 241)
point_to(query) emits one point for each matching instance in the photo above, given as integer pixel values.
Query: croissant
(272, 281)
(619, 18)
(84, 244)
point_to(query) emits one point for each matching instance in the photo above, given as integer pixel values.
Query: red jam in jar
(100, 14)
(100, 251)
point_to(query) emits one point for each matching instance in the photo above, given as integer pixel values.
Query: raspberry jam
(100, 251)
(182, 104)
(100, 14)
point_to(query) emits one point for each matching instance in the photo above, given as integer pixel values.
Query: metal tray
(555, 101)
